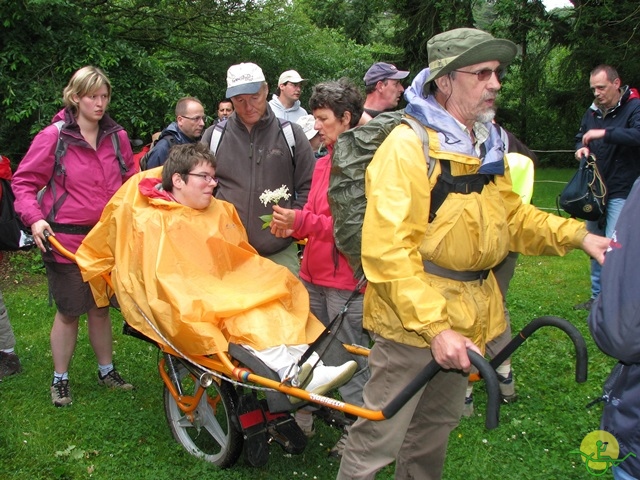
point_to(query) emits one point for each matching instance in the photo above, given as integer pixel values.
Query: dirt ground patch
(21, 267)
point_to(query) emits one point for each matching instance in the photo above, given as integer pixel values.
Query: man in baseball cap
(255, 151)
(431, 294)
(244, 78)
(383, 87)
(285, 103)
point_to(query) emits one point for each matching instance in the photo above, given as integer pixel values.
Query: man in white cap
(255, 152)
(431, 293)
(285, 103)
(383, 87)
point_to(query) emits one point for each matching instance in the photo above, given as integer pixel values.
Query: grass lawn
(124, 435)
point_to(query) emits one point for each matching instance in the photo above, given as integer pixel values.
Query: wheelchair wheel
(212, 435)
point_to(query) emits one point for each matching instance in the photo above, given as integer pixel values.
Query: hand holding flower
(282, 221)
(274, 196)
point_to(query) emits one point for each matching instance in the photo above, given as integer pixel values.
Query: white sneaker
(328, 378)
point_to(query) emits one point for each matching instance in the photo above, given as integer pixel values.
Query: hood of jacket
(452, 138)
(276, 100)
(180, 136)
(71, 130)
(627, 94)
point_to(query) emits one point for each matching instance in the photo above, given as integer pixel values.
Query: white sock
(104, 369)
(504, 369)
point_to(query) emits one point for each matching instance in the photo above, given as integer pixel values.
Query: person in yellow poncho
(182, 258)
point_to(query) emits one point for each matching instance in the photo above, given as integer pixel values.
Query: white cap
(244, 78)
(290, 76)
(307, 123)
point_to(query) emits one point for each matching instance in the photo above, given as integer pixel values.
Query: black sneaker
(60, 394)
(114, 380)
(9, 364)
(584, 305)
(467, 410)
(333, 418)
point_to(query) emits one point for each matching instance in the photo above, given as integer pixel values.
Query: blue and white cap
(244, 78)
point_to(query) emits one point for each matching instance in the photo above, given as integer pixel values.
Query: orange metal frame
(223, 364)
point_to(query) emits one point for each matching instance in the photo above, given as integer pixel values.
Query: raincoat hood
(452, 137)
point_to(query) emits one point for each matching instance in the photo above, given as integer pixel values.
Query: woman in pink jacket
(95, 159)
(337, 107)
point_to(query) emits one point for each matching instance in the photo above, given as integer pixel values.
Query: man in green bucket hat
(431, 292)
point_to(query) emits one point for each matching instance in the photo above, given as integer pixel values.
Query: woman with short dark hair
(337, 107)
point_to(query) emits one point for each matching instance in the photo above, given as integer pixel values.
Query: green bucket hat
(449, 51)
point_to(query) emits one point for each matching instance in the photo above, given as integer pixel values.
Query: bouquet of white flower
(274, 196)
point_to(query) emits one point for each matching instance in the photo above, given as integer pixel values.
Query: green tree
(153, 52)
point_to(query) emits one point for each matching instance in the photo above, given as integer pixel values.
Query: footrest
(254, 429)
(285, 431)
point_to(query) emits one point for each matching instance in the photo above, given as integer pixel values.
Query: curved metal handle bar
(53, 241)
(564, 325)
(428, 372)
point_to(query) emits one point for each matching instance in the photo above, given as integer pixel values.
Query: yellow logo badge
(600, 452)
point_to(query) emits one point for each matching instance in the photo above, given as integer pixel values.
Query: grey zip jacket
(250, 163)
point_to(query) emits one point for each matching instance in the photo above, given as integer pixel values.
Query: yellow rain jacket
(473, 232)
(192, 273)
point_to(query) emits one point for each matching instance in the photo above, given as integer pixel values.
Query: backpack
(12, 235)
(145, 158)
(352, 153)
(285, 129)
(60, 170)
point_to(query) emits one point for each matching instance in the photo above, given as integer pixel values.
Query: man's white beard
(486, 116)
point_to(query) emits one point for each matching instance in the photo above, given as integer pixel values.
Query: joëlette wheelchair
(222, 406)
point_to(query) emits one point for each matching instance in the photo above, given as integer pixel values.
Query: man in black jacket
(610, 131)
(188, 127)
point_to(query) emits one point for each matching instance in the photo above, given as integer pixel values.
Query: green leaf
(266, 219)
(77, 454)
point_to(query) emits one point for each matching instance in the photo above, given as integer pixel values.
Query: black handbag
(584, 196)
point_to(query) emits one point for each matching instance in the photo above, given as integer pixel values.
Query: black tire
(212, 435)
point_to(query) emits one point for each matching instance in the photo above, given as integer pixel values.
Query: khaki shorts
(71, 294)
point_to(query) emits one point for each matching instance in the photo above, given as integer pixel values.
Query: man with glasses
(188, 127)
(256, 152)
(285, 103)
(431, 293)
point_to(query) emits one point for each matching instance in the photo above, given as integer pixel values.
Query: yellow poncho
(193, 274)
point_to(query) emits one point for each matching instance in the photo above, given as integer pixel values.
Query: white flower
(275, 196)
